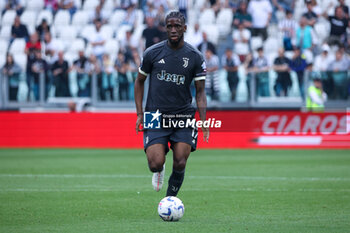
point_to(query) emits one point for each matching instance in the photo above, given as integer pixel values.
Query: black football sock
(175, 182)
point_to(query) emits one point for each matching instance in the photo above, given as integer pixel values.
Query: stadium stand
(74, 28)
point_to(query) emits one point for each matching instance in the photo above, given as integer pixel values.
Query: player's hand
(139, 122)
(205, 134)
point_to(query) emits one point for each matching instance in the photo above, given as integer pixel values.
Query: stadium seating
(108, 31)
(67, 35)
(90, 5)
(21, 60)
(80, 19)
(117, 18)
(256, 42)
(8, 18)
(74, 31)
(212, 32)
(87, 31)
(3, 51)
(5, 32)
(35, 5)
(108, 5)
(121, 32)
(28, 18)
(45, 14)
(62, 19)
(17, 46)
(207, 17)
(3, 46)
(77, 45)
(224, 21)
(112, 47)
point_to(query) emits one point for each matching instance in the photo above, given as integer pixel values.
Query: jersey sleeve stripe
(142, 72)
(199, 78)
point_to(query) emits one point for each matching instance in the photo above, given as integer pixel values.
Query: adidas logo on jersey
(161, 61)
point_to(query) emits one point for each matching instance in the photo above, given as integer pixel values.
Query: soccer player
(171, 66)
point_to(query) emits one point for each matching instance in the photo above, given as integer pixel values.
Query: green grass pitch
(61, 190)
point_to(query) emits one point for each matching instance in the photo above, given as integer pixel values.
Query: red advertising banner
(239, 129)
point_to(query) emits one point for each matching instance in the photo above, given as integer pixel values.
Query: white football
(171, 209)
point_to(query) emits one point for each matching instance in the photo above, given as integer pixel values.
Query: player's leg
(181, 152)
(156, 159)
(156, 147)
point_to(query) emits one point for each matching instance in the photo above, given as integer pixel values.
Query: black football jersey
(170, 75)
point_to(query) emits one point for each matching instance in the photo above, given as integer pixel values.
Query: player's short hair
(175, 14)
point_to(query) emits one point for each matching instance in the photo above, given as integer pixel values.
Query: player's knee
(155, 166)
(179, 164)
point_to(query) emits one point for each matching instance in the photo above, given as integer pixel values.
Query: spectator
(321, 66)
(310, 16)
(121, 67)
(67, 5)
(288, 27)
(158, 3)
(32, 45)
(206, 45)
(160, 17)
(51, 5)
(14, 5)
(107, 78)
(284, 5)
(52, 47)
(43, 28)
(261, 12)
(283, 81)
(249, 69)
(242, 16)
(151, 33)
(339, 68)
(241, 38)
(39, 70)
(345, 8)
(98, 15)
(60, 74)
(261, 69)
(183, 6)
(316, 8)
(298, 64)
(130, 17)
(194, 37)
(94, 69)
(18, 30)
(125, 4)
(212, 84)
(305, 35)
(12, 71)
(150, 11)
(83, 79)
(339, 23)
(128, 43)
(316, 97)
(97, 41)
(134, 64)
(230, 62)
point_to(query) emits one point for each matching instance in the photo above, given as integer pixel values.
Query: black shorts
(166, 136)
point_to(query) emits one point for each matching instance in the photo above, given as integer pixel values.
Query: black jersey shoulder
(192, 49)
(156, 48)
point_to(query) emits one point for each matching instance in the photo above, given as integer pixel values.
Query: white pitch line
(278, 178)
(184, 190)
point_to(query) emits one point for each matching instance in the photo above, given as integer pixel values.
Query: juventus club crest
(185, 59)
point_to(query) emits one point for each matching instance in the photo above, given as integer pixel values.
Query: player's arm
(138, 93)
(201, 100)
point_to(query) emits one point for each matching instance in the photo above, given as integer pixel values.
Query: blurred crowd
(255, 42)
